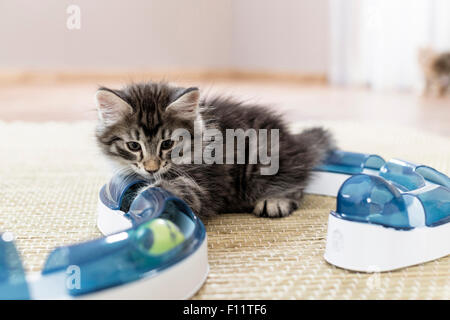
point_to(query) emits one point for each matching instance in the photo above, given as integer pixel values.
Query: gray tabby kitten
(135, 127)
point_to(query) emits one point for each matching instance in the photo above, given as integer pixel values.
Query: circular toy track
(155, 248)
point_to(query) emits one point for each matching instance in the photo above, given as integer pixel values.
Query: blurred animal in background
(436, 69)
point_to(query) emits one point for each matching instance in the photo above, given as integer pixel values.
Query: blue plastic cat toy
(389, 215)
(159, 253)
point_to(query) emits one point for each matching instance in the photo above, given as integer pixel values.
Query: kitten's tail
(315, 144)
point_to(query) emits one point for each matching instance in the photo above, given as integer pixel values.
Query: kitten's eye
(166, 144)
(134, 146)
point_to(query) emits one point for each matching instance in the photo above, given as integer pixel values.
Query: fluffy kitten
(436, 68)
(134, 130)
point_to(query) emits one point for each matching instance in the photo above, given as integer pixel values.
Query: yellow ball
(159, 236)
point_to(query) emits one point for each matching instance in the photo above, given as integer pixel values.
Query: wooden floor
(71, 101)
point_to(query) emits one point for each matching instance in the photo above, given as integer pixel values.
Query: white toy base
(111, 221)
(326, 183)
(372, 248)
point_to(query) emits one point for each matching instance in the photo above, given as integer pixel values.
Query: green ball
(159, 236)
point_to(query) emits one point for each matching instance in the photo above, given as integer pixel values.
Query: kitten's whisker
(186, 175)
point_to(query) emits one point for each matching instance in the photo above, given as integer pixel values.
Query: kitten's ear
(186, 105)
(111, 108)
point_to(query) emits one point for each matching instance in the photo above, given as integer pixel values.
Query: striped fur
(209, 188)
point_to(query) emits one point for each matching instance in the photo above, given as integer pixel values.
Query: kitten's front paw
(275, 208)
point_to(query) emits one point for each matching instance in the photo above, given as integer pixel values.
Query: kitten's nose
(152, 165)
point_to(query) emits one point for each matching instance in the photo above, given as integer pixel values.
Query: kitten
(135, 128)
(436, 68)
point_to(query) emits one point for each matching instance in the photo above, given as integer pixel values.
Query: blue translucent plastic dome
(396, 194)
(372, 199)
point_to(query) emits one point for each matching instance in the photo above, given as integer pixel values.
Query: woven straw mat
(50, 175)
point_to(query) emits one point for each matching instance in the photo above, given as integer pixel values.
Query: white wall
(286, 35)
